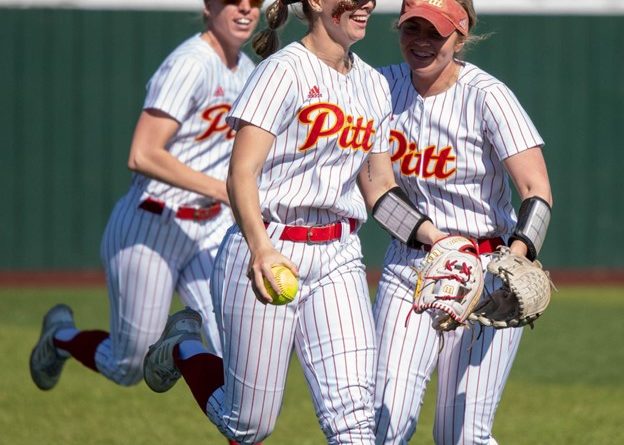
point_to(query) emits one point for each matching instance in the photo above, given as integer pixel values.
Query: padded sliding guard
(398, 216)
(533, 221)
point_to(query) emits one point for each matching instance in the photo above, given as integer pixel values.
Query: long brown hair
(266, 42)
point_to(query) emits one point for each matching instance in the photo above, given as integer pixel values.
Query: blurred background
(72, 83)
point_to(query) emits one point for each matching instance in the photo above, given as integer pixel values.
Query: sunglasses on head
(252, 3)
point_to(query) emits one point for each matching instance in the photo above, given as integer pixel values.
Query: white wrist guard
(398, 216)
(533, 220)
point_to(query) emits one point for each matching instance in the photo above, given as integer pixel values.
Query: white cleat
(46, 361)
(159, 370)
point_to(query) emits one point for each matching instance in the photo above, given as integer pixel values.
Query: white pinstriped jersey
(194, 87)
(447, 149)
(325, 124)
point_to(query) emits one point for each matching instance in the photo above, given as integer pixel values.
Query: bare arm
(530, 177)
(149, 156)
(376, 178)
(251, 148)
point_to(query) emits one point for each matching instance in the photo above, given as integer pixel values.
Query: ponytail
(266, 42)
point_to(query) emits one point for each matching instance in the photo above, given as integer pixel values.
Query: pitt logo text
(215, 117)
(326, 120)
(424, 162)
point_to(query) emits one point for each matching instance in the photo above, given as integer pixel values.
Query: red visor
(446, 15)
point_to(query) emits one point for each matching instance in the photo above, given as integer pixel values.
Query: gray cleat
(46, 361)
(159, 370)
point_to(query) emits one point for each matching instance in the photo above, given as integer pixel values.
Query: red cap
(446, 15)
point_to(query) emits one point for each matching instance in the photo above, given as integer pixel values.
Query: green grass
(567, 385)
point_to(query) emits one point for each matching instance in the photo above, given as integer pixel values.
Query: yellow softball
(287, 282)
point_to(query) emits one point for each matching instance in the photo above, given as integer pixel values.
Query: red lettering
(215, 116)
(361, 135)
(445, 157)
(426, 162)
(326, 120)
(318, 117)
(401, 142)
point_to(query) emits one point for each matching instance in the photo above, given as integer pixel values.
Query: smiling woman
(310, 128)
(163, 235)
(480, 137)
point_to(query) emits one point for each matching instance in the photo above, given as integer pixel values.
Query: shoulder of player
(193, 53)
(395, 72)
(245, 60)
(473, 77)
(286, 61)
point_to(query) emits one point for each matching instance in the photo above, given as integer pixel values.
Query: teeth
(243, 21)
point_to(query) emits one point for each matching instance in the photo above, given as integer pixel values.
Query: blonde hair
(471, 39)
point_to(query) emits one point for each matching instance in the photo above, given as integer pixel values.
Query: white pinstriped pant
(330, 324)
(147, 258)
(472, 366)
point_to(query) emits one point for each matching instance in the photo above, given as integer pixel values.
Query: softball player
(310, 126)
(164, 233)
(456, 134)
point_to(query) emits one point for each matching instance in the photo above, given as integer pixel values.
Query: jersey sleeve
(507, 125)
(177, 87)
(382, 102)
(268, 99)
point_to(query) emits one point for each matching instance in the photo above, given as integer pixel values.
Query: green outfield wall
(72, 84)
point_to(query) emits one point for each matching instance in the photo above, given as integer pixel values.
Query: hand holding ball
(288, 285)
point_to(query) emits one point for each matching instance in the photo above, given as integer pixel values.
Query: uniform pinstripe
(306, 180)
(447, 155)
(149, 256)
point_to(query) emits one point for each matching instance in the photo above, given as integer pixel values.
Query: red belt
(315, 234)
(485, 245)
(192, 213)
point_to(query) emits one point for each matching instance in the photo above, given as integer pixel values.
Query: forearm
(391, 206)
(529, 174)
(251, 147)
(540, 189)
(243, 192)
(150, 157)
(161, 165)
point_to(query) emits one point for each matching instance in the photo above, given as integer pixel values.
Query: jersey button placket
(347, 88)
(420, 112)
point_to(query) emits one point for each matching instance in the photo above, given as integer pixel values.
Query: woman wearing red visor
(457, 135)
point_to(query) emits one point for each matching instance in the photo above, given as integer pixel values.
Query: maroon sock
(203, 374)
(82, 347)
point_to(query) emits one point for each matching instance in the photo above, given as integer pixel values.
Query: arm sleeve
(268, 99)
(508, 127)
(176, 87)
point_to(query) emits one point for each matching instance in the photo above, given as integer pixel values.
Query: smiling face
(428, 54)
(345, 20)
(232, 22)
